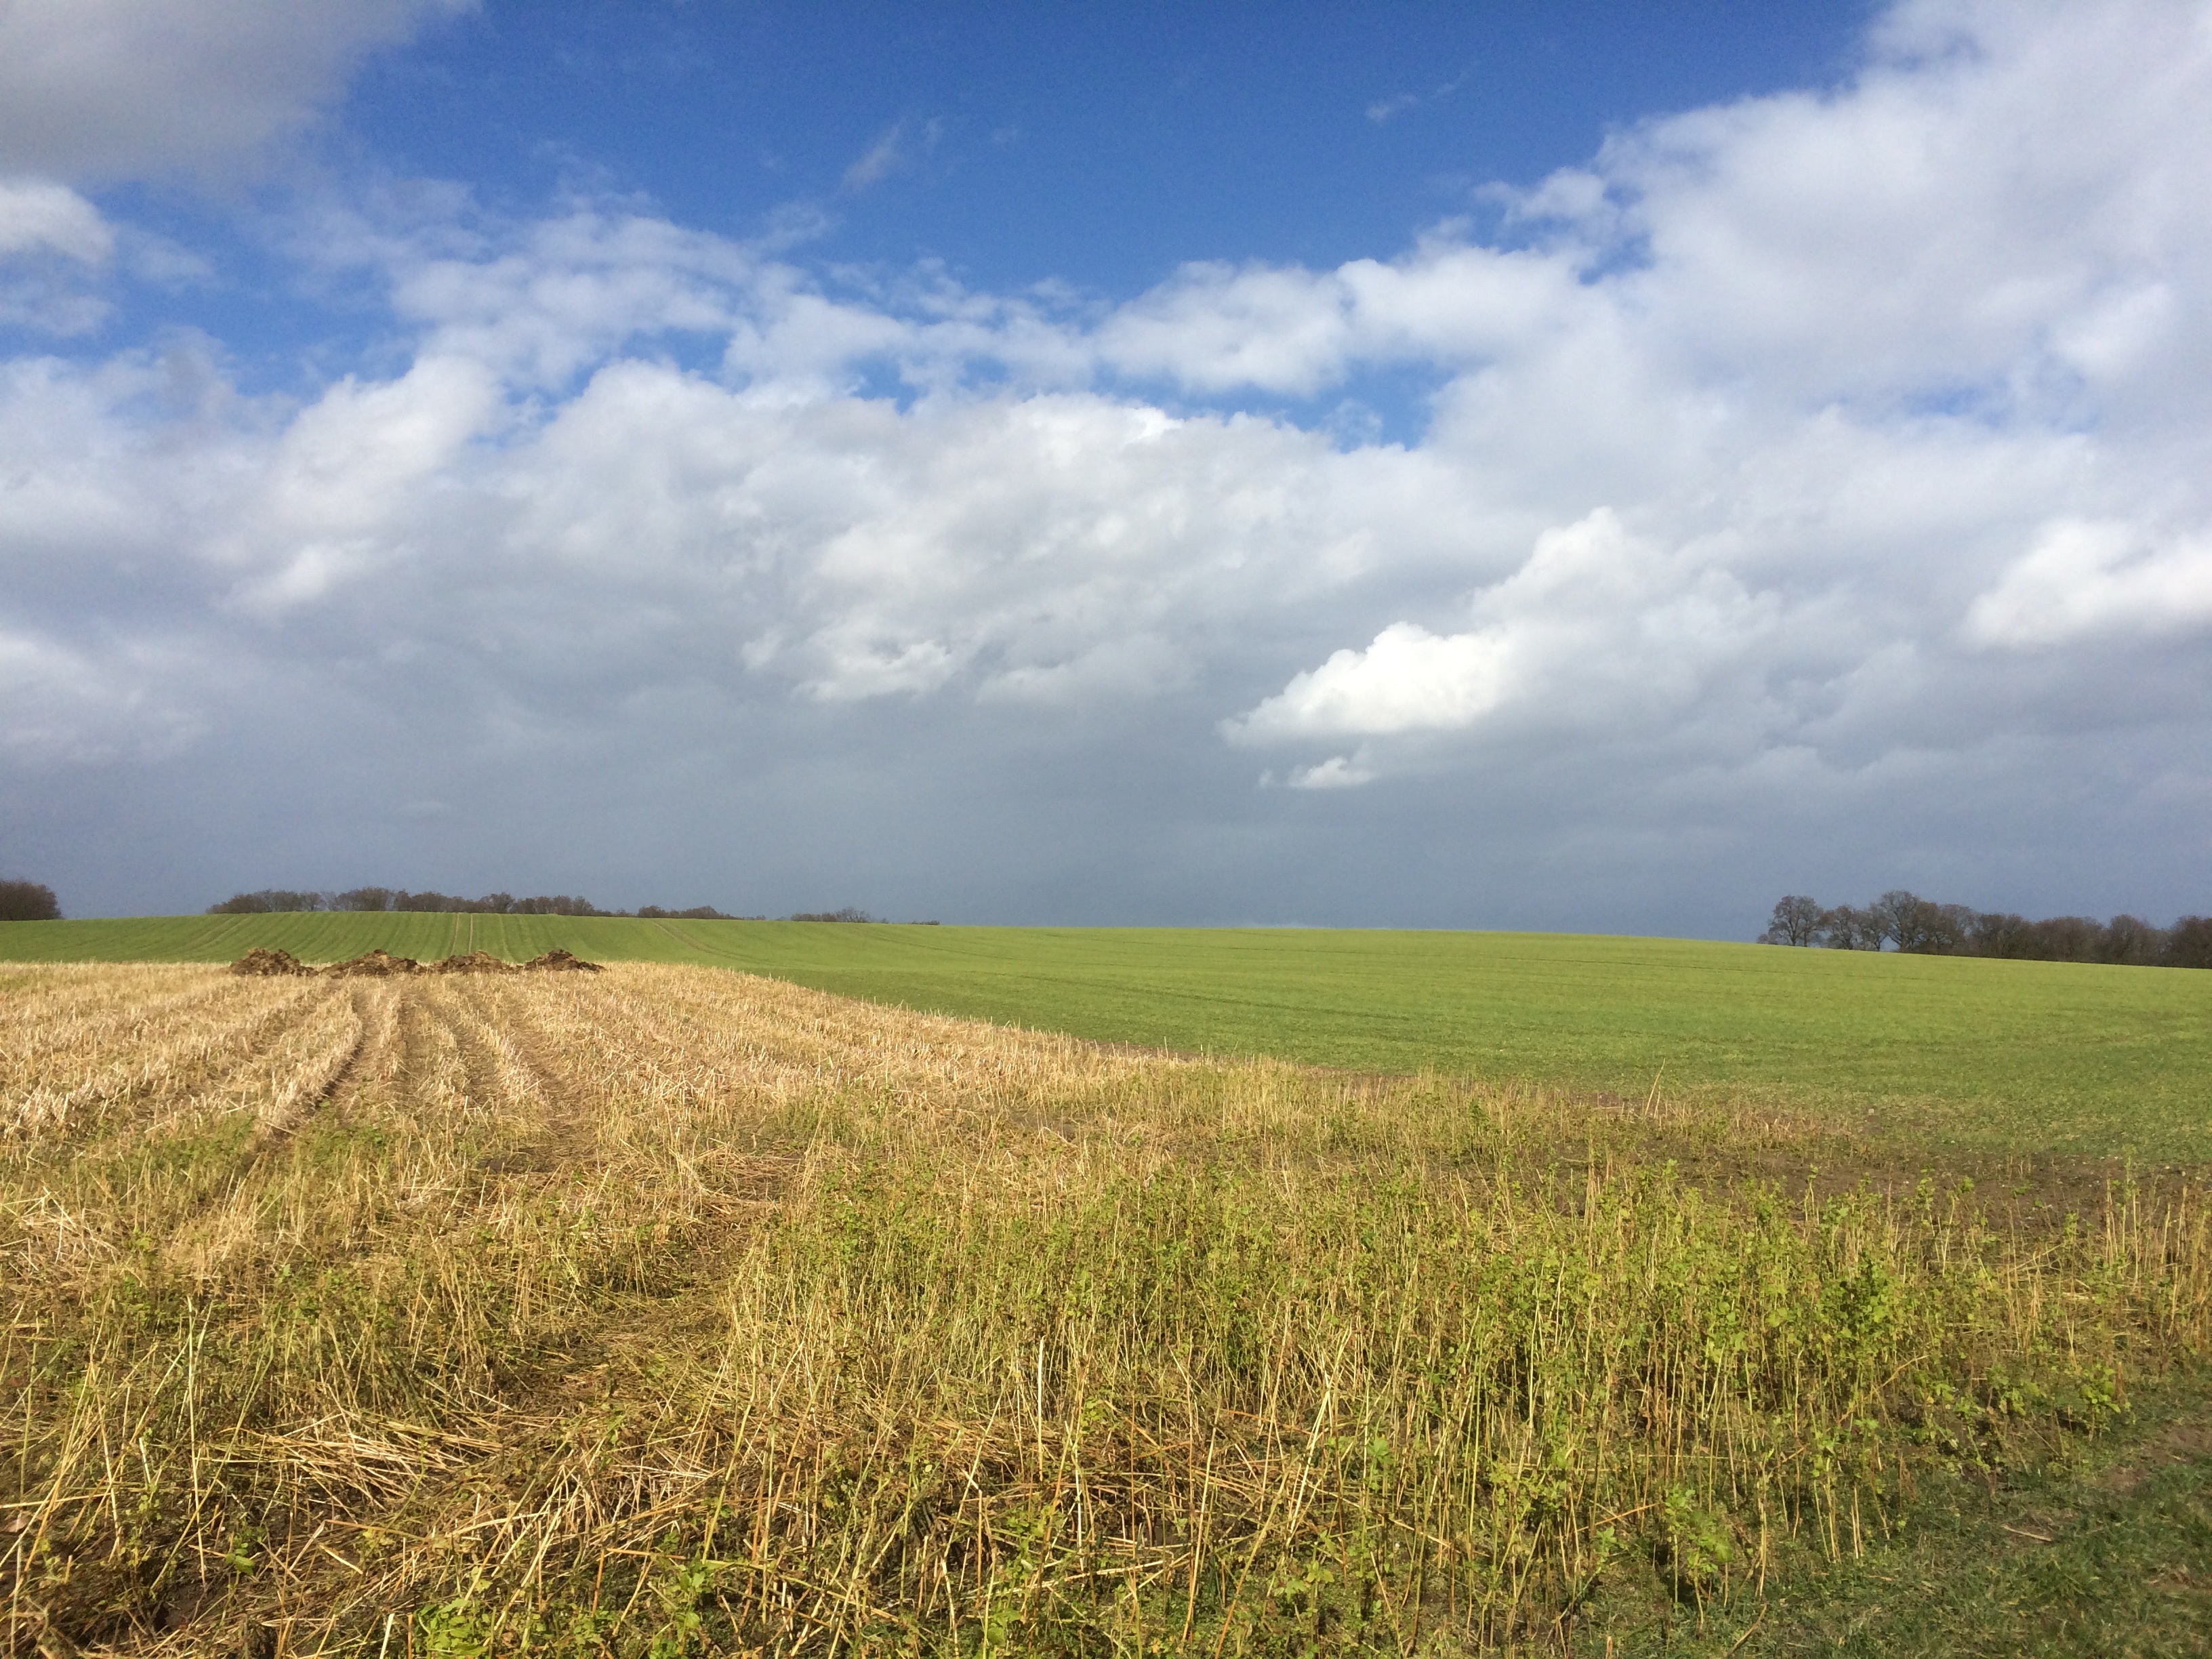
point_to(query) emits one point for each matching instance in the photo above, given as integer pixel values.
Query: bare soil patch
(2187, 1442)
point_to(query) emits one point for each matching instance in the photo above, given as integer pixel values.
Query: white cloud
(1408, 680)
(1049, 549)
(355, 481)
(1384, 110)
(1337, 772)
(1215, 327)
(879, 160)
(122, 88)
(892, 152)
(36, 217)
(1598, 632)
(2086, 578)
(1929, 234)
(1136, 666)
(52, 241)
(569, 291)
(1934, 229)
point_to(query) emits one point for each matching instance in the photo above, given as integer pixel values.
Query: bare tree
(1915, 924)
(2188, 943)
(1956, 928)
(2067, 938)
(1796, 920)
(2132, 941)
(1847, 927)
(2000, 934)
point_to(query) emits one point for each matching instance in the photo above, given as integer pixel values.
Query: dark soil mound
(560, 962)
(476, 962)
(267, 964)
(376, 964)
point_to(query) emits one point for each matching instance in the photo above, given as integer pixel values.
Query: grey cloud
(123, 89)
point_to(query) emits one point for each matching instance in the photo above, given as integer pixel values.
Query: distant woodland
(28, 901)
(272, 900)
(1906, 921)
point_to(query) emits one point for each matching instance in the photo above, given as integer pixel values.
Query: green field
(2025, 1055)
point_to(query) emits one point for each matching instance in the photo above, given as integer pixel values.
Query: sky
(1589, 467)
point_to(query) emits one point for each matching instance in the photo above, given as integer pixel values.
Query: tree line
(273, 900)
(28, 901)
(1907, 922)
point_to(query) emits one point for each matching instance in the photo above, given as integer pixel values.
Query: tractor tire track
(520, 1049)
(375, 1018)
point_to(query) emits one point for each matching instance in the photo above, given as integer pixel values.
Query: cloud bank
(1823, 459)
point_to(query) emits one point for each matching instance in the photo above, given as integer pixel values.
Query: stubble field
(674, 1310)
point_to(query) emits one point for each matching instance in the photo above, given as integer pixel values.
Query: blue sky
(1595, 466)
(1102, 146)
(1095, 148)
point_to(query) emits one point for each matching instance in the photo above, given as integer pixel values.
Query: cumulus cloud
(353, 480)
(1409, 680)
(1842, 355)
(121, 89)
(1598, 632)
(569, 291)
(2086, 578)
(1214, 327)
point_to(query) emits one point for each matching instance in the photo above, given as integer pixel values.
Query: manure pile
(266, 964)
(381, 964)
